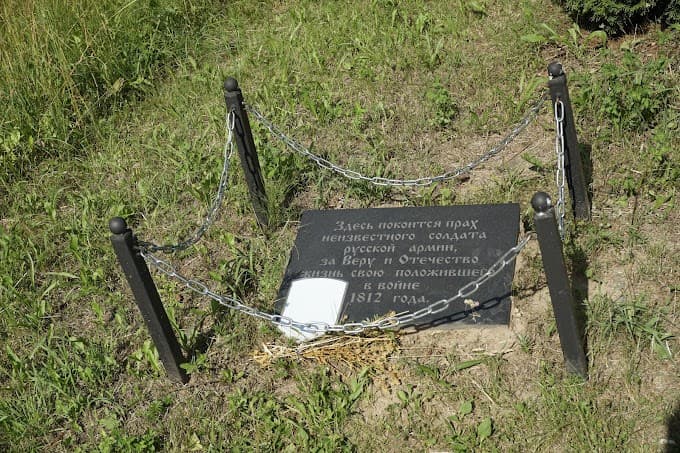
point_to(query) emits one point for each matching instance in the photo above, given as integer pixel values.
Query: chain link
(210, 218)
(324, 163)
(381, 181)
(147, 249)
(385, 323)
(560, 175)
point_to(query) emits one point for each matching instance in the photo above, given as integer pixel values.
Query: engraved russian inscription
(402, 259)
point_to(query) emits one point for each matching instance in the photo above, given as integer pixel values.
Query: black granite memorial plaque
(403, 259)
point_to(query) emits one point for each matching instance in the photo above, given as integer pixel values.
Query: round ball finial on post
(231, 84)
(541, 202)
(555, 69)
(117, 225)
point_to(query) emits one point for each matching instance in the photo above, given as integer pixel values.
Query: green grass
(64, 66)
(385, 87)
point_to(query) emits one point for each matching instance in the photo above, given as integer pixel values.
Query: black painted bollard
(147, 298)
(561, 294)
(247, 151)
(576, 179)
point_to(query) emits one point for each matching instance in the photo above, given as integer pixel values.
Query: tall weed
(65, 65)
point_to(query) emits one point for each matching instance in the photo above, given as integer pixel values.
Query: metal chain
(560, 175)
(230, 120)
(389, 322)
(324, 163)
(380, 181)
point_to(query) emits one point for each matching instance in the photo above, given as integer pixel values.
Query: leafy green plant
(629, 96)
(463, 438)
(616, 16)
(473, 6)
(198, 362)
(575, 40)
(145, 357)
(326, 403)
(442, 105)
(410, 397)
(657, 173)
(159, 407)
(663, 169)
(239, 272)
(434, 49)
(536, 163)
(114, 438)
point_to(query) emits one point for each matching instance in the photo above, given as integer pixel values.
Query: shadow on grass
(673, 437)
(579, 283)
(586, 156)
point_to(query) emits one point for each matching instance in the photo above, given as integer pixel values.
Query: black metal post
(559, 286)
(247, 151)
(576, 178)
(148, 300)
